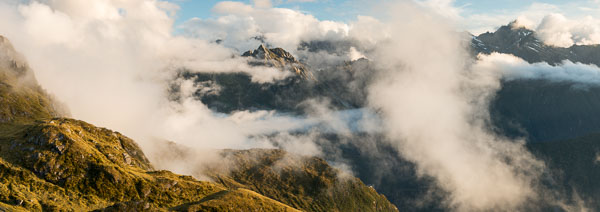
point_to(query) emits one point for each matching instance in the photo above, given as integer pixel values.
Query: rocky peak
(10, 58)
(509, 36)
(279, 58)
(524, 43)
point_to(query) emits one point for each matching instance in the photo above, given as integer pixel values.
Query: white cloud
(262, 3)
(510, 67)
(557, 30)
(434, 109)
(560, 25)
(239, 23)
(444, 8)
(232, 7)
(112, 61)
(529, 17)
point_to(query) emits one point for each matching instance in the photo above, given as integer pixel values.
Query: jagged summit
(524, 43)
(262, 52)
(506, 38)
(278, 57)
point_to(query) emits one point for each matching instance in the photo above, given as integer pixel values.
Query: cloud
(557, 30)
(112, 62)
(561, 25)
(510, 67)
(233, 7)
(243, 27)
(529, 17)
(443, 8)
(262, 3)
(434, 110)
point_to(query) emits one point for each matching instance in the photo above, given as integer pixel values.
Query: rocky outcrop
(278, 58)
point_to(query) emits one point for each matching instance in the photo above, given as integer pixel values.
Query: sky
(476, 16)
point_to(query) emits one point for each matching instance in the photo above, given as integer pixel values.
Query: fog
(112, 63)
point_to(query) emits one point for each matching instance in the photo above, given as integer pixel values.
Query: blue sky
(335, 10)
(496, 12)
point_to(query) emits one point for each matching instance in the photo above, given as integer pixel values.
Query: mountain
(278, 58)
(574, 165)
(305, 183)
(524, 43)
(541, 110)
(343, 85)
(560, 120)
(545, 111)
(51, 163)
(21, 97)
(550, 115)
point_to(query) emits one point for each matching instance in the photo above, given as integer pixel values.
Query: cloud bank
(434, 109)
(557, 30)
(509, 67)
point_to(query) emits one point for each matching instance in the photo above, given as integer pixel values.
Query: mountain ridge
(524, 43)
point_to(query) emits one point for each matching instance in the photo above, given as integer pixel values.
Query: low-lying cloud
(510, 67)
(434, 109)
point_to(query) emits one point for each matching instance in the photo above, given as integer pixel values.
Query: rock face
(523, 43)
(61, 164)
(278, 58)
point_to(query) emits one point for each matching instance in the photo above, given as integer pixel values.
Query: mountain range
(558, 120)
(50, 162)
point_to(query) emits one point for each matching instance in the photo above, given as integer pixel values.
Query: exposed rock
(524, 43)
(278, 58)
(127, 158)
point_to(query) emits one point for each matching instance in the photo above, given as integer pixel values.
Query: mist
(434, 109)
(113, 63)
(509, 67)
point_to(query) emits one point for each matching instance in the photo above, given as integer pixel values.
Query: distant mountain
(541, 110)
(278, 58)
(524, 43)
(343, 85)
(561, 120)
